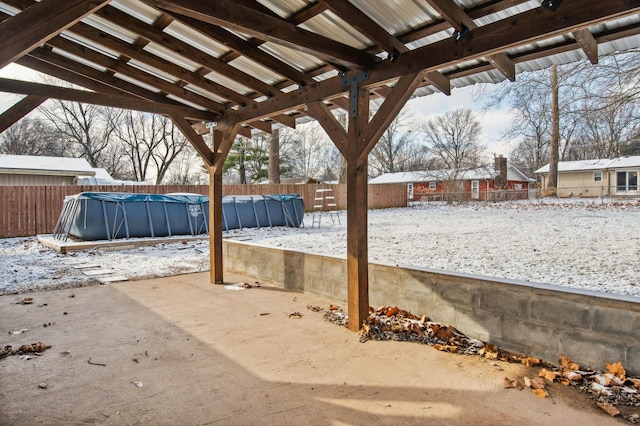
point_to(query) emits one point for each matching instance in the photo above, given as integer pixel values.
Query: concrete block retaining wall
(535, 319)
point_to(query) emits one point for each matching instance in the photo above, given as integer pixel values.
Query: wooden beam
(245, 48)
(248, 21)
(110, 100)
(588, 44)
(19, 110)
(40, 22)
(504, 64)
(263, 126)
(122, 67)
(221, 150)
(533, 26)
(439, 81)
(357, 211)
(129, 51)
(330, 124)
(365, 25)
(285, 119)
(184, 49)
(54, 65)
(459, 20)
(195, 139)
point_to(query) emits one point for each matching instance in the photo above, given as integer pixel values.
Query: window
(597, 176)
(432, 185)
(627, 181)
(517, 186)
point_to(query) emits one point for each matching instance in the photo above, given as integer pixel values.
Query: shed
(29, 170)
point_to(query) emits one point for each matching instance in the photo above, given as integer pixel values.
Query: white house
(595, 178)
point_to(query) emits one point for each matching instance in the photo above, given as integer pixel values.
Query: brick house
(482, 183)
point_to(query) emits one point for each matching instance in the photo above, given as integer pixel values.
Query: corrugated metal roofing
(400, 18)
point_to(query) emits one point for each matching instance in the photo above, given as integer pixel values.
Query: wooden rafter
(156, 35)
(265, 27)
(110, 100)
(19, 110)
(588, 44)
(462, 22)
(534, 25)
(365, 25)
(244, 48)
(48, 63)
(40, 22)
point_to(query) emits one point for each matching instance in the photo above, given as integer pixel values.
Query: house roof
(480, 173)
(40, 165)
(598, 164)
(259, 64)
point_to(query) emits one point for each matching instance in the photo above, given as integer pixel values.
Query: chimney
(501, 168)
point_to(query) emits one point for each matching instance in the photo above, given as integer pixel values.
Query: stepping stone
(111, 279)
(86, 266)
(100, 271)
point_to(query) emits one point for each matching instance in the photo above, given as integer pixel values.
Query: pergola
(258, 64)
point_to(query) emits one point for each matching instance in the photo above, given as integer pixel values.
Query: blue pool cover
(94, 216)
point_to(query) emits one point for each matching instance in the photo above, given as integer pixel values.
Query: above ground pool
(94, 216)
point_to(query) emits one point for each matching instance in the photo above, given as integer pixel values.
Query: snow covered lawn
(575, 243)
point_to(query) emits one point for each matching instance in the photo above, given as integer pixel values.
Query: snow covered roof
(438, 175)
(598, 164)
(40, 165)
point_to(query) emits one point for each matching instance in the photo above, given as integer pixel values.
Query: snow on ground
(574, 243)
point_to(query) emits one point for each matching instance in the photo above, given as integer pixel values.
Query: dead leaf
(314, 308)
(549, 375)
(566, 362)
(295, 315)
(530, 361)
(508, 383)
(572, 375)
(610, 409)
(540, 393)
(392, 311)
(617, 370)
(535, 383)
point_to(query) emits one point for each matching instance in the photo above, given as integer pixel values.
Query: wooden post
(357, 216)
(222, 141)
(215, 225)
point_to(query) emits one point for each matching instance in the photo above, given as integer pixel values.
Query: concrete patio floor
(207, 355)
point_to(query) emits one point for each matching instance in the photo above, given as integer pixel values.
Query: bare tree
(397, 150)
(150, 142)
(84, 130)
(31, 136)
(598, 110)
(309, 152)
(454, 140)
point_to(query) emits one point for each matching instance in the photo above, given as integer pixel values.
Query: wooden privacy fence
(32, 210)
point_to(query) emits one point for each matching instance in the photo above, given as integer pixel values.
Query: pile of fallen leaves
(609, 389)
